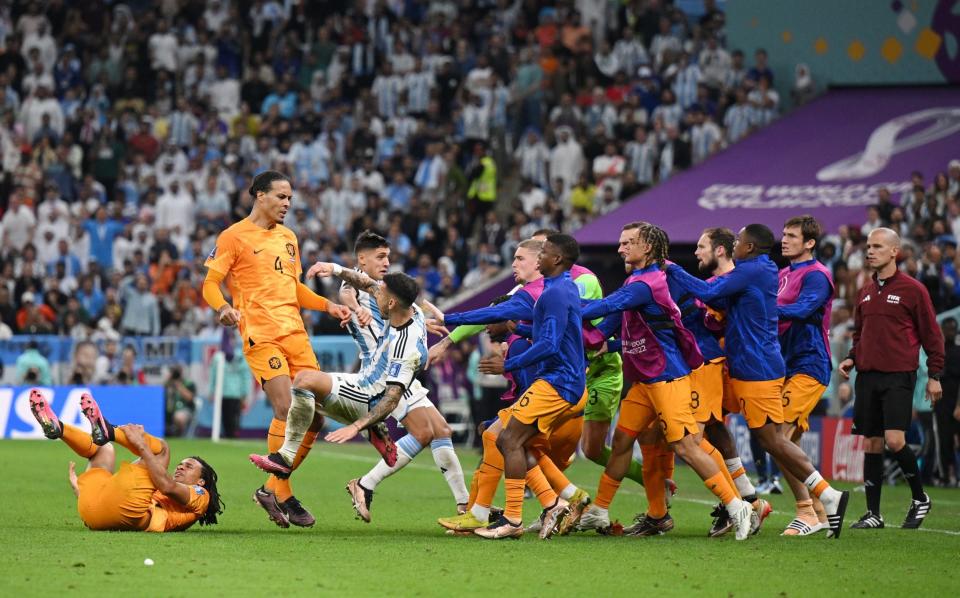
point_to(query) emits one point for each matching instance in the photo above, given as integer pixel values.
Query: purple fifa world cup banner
(827, 159)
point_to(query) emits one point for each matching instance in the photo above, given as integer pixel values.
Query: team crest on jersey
(291, 250)
(395, 368)
(275, 363)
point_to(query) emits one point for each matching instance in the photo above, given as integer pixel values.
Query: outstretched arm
(357, 280)
(631, 296)
(377, 414)
(727, 285)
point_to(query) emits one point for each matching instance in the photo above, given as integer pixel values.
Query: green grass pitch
(47, 550)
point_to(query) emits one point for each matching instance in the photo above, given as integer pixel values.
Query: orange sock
(607, 490)
(819, 488)
(491, 454)
(513, 509)
(474, 485)
(720, 488)
(558, 481)
(666, 458)
(540, 487)
(653, 478)
(274, 441)
(488, 478)
(714, 454)
(79, 441)
(120, 437)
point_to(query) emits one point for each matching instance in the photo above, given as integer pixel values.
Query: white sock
(480, 512)
(407, 449)
(568, 492)
(744, 487)
(446, 459)
(303, 405)
(599, 510)
(734, 506)
(829, 497)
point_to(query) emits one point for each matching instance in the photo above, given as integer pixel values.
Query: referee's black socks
(872, 480)
(908, 464)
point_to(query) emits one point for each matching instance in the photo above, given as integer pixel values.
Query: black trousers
(230, 416)
(947, 430)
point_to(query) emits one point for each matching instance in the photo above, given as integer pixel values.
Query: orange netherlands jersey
(167, 515)
(262, 267)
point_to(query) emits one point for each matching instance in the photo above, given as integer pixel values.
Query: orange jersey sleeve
(170, 516)
(263, 268)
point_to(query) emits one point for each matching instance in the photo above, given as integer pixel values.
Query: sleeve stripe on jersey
(401, 345)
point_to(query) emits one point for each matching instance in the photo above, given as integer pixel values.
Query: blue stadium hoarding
(121, 405)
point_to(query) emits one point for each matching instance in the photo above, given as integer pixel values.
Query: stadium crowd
(453, 128)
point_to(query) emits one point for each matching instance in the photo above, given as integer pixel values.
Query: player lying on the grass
(423, 426)
(141, 496)
(386, 386)
(659, 354)
(549, 457)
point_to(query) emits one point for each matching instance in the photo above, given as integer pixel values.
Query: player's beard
(708, 267)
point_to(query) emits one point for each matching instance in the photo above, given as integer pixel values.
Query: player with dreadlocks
(658, 355)
(140, 496)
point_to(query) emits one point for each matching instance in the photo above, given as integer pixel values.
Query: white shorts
(348, 402)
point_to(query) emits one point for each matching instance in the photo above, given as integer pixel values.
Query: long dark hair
(215, 506)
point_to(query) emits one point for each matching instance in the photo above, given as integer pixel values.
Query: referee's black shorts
(883, 401)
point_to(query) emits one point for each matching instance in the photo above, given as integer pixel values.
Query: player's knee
(442, 430)
(895, 440)
(424, 436)
(593, 452)
(874, 445)
(104, 452)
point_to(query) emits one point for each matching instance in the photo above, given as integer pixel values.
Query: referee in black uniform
(894, 317)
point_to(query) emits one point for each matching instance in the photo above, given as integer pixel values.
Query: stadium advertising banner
(827, 159)
(136, 405)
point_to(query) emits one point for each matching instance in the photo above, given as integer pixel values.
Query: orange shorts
(706, 391)
(284, 356)
(668, 402)
(730, 402)
(801, 393)
(543, 405)
(564, 440)
(760, 401)
(115, 501)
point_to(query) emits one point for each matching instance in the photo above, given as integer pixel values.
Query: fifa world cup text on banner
(142, 405)
(817, 160)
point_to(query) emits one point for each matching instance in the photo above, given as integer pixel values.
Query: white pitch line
(699, 501)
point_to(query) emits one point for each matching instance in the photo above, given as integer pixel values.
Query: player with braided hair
(659, 354)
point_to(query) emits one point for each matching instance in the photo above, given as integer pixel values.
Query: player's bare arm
(72, 476)
(348, 297)
(156, 466)
(375, 415)
(357, 280)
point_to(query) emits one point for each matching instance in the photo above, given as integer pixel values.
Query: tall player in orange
(259, 259)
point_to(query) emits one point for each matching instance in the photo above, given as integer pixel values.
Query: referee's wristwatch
(934, 376)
